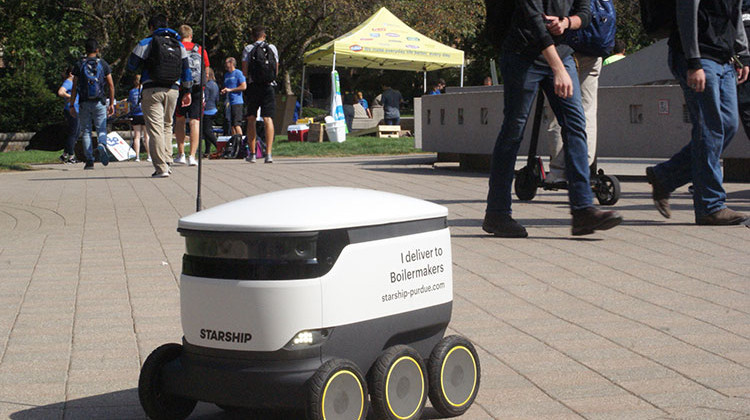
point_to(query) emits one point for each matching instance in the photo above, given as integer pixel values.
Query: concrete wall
(658, 128)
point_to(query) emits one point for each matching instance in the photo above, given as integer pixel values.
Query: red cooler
(297, 132)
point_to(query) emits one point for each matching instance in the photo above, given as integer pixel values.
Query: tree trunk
(287, 83)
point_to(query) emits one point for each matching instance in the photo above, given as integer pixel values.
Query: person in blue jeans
(534, 55)
(708, 63)
(91, 104)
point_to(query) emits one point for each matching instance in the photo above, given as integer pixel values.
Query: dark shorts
(236, 114)
(194, 109)
(138, 120)
(260, 96)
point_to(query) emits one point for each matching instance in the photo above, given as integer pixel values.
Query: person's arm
(72, 100)
(579, 18)
(63, 93)
(687, 26)
(741, 46)
(533, 11)
(563, 82)
(111, 85)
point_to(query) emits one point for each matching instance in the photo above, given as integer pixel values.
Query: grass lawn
(353, 146)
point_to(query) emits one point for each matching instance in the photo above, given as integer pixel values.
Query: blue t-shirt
(68, 86)
(134, 99)
(363, 102)
(211, 96)
(231, 81)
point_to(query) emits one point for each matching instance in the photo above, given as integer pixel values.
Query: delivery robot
(328, 301)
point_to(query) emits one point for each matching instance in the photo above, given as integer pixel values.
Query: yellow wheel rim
(421, 389)
(442, 376)
(328, 384)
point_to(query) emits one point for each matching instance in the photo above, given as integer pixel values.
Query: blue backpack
(598, 38)
(92, 79)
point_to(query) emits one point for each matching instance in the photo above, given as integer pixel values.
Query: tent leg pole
(302, 94)
(425, 82)
(462, 75)
(333, 66)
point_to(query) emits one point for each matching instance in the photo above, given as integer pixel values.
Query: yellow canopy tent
(385, 42)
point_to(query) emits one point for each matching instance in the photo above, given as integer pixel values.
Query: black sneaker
(503, 226)
(89, 164)
(586, 221)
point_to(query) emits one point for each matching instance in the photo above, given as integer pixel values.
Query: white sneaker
(250, 158)
(149, 159)
(269, 159)
(192, 161)
(180, 159)
(137, 159)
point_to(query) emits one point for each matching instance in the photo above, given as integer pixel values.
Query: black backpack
(498, 20)
(658, 17)
(236, 147)
(262, 64)
(164, 61)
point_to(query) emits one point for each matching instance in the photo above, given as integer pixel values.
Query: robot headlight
(307, 339)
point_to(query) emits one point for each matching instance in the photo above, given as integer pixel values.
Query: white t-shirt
(246, 57)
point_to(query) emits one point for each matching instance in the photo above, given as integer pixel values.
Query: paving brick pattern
(650, 320)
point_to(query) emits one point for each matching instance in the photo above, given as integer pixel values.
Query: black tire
(526, 184)
(156, 404)
(398, 384)
(455, 374)
(607, 189)
(337, 391)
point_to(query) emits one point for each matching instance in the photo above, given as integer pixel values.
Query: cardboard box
(316, 133)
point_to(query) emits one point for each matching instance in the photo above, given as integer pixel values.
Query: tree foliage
(38, 37)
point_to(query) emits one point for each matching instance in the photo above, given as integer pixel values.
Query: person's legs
(85, 118)
(179, 132)
(153, 103)
(208, 132)
(267, 111)
(743, 102)
(70, 141)
(588, 78)
(269, 137)
(194, 138)
(137, 141)
(572, 120)
(521, 79)
(100, 122)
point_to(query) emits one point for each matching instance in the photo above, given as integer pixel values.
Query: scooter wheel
(526, 184)
(454, 376)
(337, 391)
(157, 404)
(607, 189)
(398, 384)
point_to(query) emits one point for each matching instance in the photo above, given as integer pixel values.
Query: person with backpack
(590, 45)
(534, 54)
(136, 114)
(193, 111)
(260, 65)
(90, 77)
(165, 75)
(708, 55)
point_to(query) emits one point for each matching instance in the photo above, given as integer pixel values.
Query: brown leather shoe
(659, 194)
(586, 221)
(723, 217)
(504, 226)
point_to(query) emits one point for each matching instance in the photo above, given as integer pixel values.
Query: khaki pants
(158, 105)
(588, 76)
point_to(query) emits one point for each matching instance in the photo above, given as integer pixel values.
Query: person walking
(69, 153)
(165, 75)
(211, 98)
(234, 85)
(190, 112)
(136, 114)
(90, 77)
(708, 64)
(533, 56)
(260, 65)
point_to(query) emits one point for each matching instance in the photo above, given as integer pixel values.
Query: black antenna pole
(198, 204)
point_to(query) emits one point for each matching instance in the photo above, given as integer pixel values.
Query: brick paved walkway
(650, 320)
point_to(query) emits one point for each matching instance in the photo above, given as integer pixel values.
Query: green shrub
(310, 112)
(26, 104)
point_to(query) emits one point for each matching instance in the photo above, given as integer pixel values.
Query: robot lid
(312, 209)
